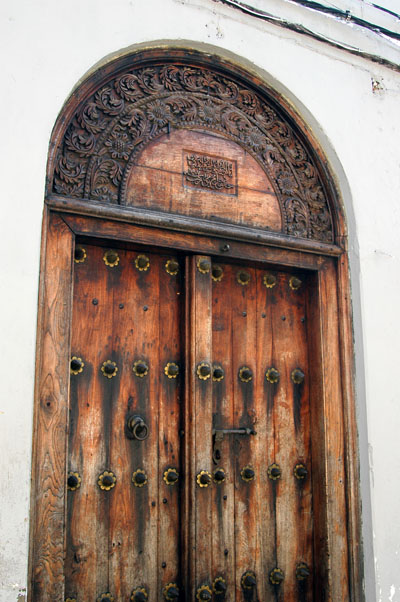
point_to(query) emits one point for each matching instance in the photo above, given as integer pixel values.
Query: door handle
(137, 428)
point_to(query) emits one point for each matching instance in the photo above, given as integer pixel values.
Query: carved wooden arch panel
(139, 99)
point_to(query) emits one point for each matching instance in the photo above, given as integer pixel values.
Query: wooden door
(188, 492)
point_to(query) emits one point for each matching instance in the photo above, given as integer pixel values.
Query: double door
(189, 460)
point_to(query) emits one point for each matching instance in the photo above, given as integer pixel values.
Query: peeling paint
(392, 593)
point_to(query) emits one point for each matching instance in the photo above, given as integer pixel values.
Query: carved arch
(119, 109)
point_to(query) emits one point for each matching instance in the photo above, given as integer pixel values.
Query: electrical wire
(269, 18)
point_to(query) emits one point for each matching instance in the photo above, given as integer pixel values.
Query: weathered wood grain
(51, 415)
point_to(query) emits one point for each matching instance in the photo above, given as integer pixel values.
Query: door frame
(337, 539)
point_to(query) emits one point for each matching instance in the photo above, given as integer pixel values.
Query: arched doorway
(194, 432)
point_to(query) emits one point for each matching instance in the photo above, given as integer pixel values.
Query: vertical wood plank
(223, 527)
(169, 440)
(244, 344)
(51, 395)
(91, 396)
(199, 420)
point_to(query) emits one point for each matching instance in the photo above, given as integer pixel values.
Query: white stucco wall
(47, 47)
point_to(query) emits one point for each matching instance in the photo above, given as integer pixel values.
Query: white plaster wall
(46, 47)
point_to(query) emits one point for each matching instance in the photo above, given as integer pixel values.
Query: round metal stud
(245, 374)
(300, 472)
(171, 476)
(140, 368)
(294, 283)
(243, 277)
(249, 580)
(172, 267)
(139, 594)
(203, 370)
(297, 376)
(276, 576)
(272, 375)
(274, 472)
(219, 476)
(70, 600)
(171, 370)
(142, 263)
(73, 481)
(111, 258)
(218, 373)
(106, 480)
(139, 478)
(204, 593)
(204, 478)
(109, 369)
(76, 365)
(302, 571)
(203, 265)
(247, 473)
(217, 273)
(107, 597)
(219, 586)
(171, 591)
(269, 280)
(80, 254)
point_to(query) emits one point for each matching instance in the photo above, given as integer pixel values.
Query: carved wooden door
(187, 492)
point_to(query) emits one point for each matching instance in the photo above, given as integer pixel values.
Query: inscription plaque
(209, 172)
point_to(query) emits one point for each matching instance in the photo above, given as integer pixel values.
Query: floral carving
(104, 138)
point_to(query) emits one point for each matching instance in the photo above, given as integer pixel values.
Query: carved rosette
(103, 140)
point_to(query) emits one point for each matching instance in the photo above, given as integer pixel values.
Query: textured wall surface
(352, 106)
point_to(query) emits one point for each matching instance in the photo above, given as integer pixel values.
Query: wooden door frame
(334, 455)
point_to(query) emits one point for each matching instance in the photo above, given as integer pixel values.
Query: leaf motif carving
(124, 114)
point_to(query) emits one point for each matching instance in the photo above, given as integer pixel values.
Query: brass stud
(218, 373)
(302, 571)
(204, 478)
(70, 599)
(297, 376)
(204, 592)
(79, 254)
(203, 370)
(269, 280)
(171, 370)
(109, 369)
(139, 478)
(248, 580)
(300, 471)
(276, 576)
(73, 481)
(171, 476)
(294, 283)
(203, 265)
(106, 480)
(217, 273)
(219, 476)
(172, 267)
(142, 262)
(107, 597)
(274, 472)
(219, 586)
(247, 473)
(171, 591)
(245, 374)
(111, 258)
(243, 277)
(272, 375)
(140, 368)
(76, 365)
(139, 595)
